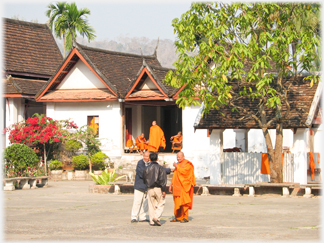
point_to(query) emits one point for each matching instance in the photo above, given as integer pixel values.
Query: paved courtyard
(66, 211)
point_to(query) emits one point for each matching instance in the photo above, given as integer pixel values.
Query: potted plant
(56, 168)
(106, 179)
(98, 161)
(80, 163)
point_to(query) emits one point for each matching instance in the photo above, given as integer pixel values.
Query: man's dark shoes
(156, 222)
(174, 220)
(134, 221)
(184, 221)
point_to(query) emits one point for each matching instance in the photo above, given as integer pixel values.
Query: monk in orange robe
(182, 184)
(141, 142)
(156, 138)
(176, 139)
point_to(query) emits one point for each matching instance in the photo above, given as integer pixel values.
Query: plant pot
(97, 172)
(56, 174)
(80, 175)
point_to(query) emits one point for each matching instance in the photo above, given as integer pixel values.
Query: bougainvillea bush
(41, 132)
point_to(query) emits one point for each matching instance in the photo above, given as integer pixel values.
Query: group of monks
(156, 139)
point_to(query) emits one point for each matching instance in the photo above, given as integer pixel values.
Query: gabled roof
(120, 72)
(155, 74)
(300, 97)
(49, 92)
(17, 87)
(121, 69)
(29, 49)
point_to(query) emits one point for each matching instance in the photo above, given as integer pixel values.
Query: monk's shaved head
(180, 156)
(153, 123)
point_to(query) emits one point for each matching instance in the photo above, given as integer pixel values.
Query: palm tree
(67, 20)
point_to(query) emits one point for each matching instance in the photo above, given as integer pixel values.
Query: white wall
(195, 144)
(300, 155)
(110, 130)
(82, 77)
(14, 113)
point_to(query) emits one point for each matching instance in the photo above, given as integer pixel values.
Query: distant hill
(166, 53)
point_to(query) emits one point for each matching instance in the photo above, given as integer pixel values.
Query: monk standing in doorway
(156, 138)
(182, 184)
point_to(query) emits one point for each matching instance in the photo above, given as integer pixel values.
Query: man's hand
(170, 188)
(175, 164)
(163, 194)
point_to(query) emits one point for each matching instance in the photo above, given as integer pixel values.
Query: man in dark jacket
(155, 178)
(140, 206)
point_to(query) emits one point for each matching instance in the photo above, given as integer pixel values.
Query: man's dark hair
(153, 157)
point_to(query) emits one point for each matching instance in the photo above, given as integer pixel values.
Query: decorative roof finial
(157, 44)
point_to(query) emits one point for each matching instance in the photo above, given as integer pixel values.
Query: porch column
(241, 140)
(216, 156)
(11, 114)
(50, 110)
(300, 155)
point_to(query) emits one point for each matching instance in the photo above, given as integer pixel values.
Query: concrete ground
(66, 211)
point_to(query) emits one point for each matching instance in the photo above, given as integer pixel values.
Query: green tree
(66, 20)
(218, 43)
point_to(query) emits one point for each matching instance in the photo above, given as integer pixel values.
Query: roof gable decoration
(64, 70)
(314, 105)
(146, 86)
(81, 77)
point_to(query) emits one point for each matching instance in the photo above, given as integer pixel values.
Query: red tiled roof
(78, 95)
(29, 48)
(146, 94)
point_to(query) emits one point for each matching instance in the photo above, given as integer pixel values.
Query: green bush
(18, 157)
(98, 161)
(80, 162)
(56, 165)
(73, 145)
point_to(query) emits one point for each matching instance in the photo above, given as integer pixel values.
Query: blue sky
(111, 19)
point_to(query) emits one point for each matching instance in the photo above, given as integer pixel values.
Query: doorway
(169, 118)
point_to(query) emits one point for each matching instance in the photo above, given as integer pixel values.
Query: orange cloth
(183, 181)
(140, 143)
(265, 168)
(94, 125)
(312, 164)
(318, 158)
(177, 139)
(156, 139)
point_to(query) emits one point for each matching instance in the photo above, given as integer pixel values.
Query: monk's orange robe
(312, 164)
(265, 167)
(177, 139)
(140, 143)
(156, 139)
(183, 181)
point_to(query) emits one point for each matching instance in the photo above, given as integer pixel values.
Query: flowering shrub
(39, 129)
(41, 132)
(19, 159)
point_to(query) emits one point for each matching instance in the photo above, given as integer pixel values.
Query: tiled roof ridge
(15, 21)
(14, 84)
(116, 52)
(161, 68)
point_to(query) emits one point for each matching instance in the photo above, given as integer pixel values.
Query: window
(93, 121)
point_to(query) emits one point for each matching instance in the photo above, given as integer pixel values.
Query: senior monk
(141, 142)
(176, 139)
(182, 184)
(156, 138)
